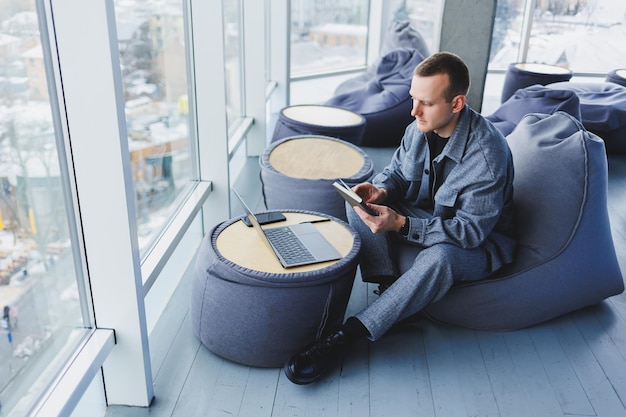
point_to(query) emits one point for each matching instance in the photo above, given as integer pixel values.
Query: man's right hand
(387, 220)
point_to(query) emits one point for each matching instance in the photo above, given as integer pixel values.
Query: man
(448, 190)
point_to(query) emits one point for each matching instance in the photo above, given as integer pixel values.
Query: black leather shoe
(317, 359)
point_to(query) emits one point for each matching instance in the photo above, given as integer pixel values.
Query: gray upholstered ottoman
(247, 308)
(617, 76)
(298, 172)
(319, 119)
(522, 74)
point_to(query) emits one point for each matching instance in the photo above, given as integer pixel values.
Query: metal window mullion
(527, 26)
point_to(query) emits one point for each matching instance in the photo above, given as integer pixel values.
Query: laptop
(293, 245)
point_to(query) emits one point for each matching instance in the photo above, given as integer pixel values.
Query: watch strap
(404, 230)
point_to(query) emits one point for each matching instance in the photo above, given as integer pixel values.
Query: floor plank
(506, 385)
(400, 376)
(597, 387)
(603, 348)
(445, 385)
(472, 373)
(532, 375)
(197, 398)
(561, 376)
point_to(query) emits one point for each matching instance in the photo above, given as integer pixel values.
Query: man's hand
(386, 221)
(370, 193)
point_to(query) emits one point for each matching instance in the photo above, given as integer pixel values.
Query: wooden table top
(316, 158)
(243, 246)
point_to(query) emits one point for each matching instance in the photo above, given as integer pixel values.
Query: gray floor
(572, 366)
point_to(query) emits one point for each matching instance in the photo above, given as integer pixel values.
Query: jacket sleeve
(463, 218)
(393, 178)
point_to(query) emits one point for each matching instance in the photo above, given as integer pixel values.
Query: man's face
(430, 109)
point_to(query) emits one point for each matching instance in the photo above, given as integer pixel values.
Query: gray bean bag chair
(383, 98)
(602, 111)
(566, 258)
(533, 99)
(380, 93)
(400, 34)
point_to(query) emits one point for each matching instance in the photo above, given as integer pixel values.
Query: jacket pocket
(445, 201)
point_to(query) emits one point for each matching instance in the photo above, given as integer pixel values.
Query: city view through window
(328, 35)
(43, 304)
(42, 319)
(151, 40)
(586, 36)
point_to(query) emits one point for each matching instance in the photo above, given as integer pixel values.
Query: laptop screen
(255, 222)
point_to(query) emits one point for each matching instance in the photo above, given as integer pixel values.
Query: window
(425, 17)
(151, 38)
(582, 35)
(42, 292)
(233, 61)
(328, 35)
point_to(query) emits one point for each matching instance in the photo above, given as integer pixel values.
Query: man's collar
(457, 143)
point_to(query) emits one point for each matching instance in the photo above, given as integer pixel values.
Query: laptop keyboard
(288, 245)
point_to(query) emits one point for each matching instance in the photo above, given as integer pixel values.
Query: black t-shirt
(435, 145)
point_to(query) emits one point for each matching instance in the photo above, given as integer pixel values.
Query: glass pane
(43, 320)
(507, 33)
(233, 61)
(328, 35)
(584, 36)
(151, 38)
(425, 17)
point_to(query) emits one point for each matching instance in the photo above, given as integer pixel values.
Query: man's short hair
(450, 64)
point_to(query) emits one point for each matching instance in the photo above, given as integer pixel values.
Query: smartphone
(352, 198)
(266, 218)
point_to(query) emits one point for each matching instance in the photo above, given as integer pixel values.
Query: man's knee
(452, 261)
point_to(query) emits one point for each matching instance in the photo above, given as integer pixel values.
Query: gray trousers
(430, 277)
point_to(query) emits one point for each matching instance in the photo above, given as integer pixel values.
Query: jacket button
(426, 171)
(416, 236)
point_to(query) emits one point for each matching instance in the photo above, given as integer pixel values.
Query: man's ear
(458, 102)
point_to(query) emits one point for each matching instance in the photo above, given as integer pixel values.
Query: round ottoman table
(314, 119)
(247, 308)
(617, 76)
(520, 75)
(298, 172)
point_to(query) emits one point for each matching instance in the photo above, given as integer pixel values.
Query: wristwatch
(404, 230)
